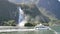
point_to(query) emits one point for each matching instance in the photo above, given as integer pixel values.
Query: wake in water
(53, 31)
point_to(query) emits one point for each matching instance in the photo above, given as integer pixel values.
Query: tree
(9, 23)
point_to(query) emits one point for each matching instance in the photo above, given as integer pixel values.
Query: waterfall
(21, 15)
(22, 18)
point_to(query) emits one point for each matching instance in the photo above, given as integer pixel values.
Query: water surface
(56, 28)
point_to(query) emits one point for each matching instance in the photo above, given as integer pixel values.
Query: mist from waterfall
(22, 19)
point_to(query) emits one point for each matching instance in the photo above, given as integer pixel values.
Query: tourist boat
(42, 27)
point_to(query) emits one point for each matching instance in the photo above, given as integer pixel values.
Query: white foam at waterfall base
(21, 24)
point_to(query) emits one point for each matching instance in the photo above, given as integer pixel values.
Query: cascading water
(22, 20)
(21, 14)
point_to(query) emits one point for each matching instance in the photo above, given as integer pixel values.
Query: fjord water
(56, 28)
(30, 32)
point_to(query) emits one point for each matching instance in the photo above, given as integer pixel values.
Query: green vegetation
(9, 23)
(29, 24)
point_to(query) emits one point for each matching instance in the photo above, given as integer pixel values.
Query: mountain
(51, 5)
(34, 14)
(7, 11)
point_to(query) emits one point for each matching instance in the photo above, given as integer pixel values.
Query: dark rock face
(7, 11)
(51, 5)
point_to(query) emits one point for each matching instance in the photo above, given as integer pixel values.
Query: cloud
(25, 1)
(59, 0)
(11, 0)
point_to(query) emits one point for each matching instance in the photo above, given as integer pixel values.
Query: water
(56, 28)
(29, 32)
